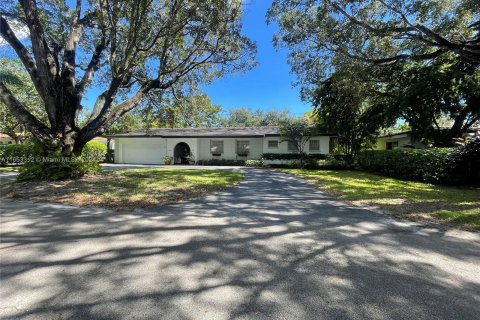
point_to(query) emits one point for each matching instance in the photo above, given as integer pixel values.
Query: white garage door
(141, 154)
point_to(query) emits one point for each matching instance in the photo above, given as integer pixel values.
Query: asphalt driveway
(270, 248)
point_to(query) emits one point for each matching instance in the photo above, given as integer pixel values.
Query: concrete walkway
(270, 248)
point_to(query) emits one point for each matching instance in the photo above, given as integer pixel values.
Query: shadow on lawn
(406, 199)
(127, 188)
(270, 248)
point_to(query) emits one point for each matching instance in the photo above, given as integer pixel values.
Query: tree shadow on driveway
(271, 248)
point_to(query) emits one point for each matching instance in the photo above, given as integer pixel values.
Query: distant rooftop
(205, 132)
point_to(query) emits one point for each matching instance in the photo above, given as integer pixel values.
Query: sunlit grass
(410, 199)
(9, 169)
(130, 188)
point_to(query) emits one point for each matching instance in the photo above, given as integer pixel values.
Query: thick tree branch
(22, 52)
(35, 126)
(92, 67)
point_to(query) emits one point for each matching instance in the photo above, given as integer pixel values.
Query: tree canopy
(127, 48)
(246, 117)
(365, 64)
(318, 32)
(14, 76)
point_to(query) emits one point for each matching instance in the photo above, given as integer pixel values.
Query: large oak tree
(125, 49)
(317, 32)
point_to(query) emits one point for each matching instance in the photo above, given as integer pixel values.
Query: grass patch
(406, 199)
(127, 189)
(9, 169)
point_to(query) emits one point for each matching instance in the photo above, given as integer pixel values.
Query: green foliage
(14, 76)
(57, 167)
(464, 163)
(221, 162)
(37, 166)
(191, 111)
(254, 163)
(430, 165)
(297, 132)
(407, 199)
(167, 160)
(320, 33)
(344, 105)
(94, 151)
(292, 156)
(427, 95)
(245, 117)
(17, 153)
(129, 122)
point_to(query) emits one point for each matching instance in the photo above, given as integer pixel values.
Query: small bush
(292, 156)
(94, 151)
(413, 164)
(254, 163)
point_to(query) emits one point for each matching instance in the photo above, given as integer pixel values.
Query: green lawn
(406, 199)
(8, 169)
(131, 188)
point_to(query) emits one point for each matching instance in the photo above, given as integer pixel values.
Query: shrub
(254, 163)
(56, 167)
(292, 156)
(94, 151)
(413, 164)
(221, 162)
(16, 153)
(464, 163)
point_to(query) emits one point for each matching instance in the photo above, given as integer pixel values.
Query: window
(314, 145)
(392, 145)
(272, 144)
(292, 147)
(243, 148)
(216, 147)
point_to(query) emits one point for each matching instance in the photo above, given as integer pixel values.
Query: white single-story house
(150, 147)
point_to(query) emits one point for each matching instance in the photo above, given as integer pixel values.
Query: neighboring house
(405, 140)
(6, 139)
(397, 140)
(150, 147)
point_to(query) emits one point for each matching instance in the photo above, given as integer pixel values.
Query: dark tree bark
(123, 52)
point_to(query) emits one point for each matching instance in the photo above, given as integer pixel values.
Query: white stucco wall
(229, 148)
(283, 146)
(151, 150)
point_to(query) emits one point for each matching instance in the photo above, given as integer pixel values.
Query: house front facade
(202, 144)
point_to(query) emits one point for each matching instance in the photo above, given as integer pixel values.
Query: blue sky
(267, 86)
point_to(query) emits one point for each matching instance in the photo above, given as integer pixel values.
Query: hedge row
(93, 151)
(16, 153)
(412, 164)
(437, 165)
(292, 156)
(221, 162)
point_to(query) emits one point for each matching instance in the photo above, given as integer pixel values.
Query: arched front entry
(181, 153)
